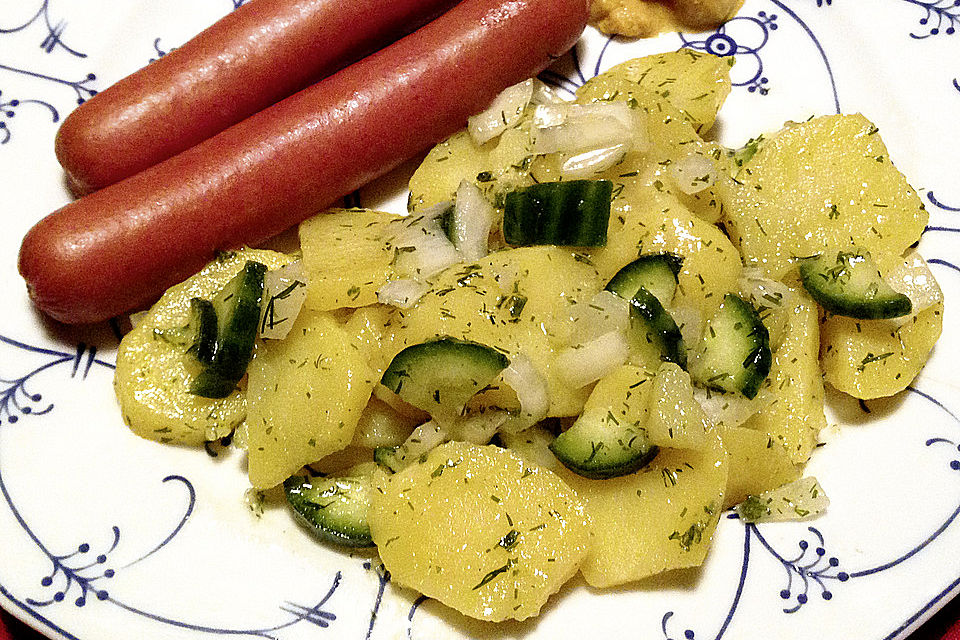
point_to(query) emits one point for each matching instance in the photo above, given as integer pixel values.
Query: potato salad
(593, 331)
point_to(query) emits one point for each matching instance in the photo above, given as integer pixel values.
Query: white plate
(102, 531)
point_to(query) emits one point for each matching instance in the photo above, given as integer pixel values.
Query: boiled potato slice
(479, 530)
(645, 219)
(660, 518)
(347, 255)
(877, 358)
(153, 375)
(515, 301)
(676, 419)
(306, 394)
(795, 417)
(624, 392)
(757, 462)
(496, 167)
(825, 183)
(695, 83)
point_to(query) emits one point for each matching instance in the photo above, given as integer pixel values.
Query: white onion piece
(544, 94)
(479, 428)
(605, 312)
(505, 111)
(588, 362)
(472, 222)
(572, 128)
(693, 173)
(284, 291)
(774, 301)
(423, 249)
(731, 409)
(531, 389)
(801, 499)
(914, 279)
(590, 163)
(402, 293)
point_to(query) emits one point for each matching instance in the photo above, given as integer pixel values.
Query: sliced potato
(825, 183)
(795, 416)
(480, 530)
(515, 301)
(695, 83)
(660, 518)
(305, 394)
(347, 255)
(877, 358)
(153, 375)
(758, 463)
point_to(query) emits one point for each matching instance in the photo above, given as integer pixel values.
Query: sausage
(255, 56)
(120, 247)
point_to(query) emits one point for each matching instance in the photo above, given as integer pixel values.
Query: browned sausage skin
(119, 248)
(255, 56)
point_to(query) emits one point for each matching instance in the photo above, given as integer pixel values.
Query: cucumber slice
(573, 213)
(655, 272)
(440, 376)
(651, 324)
(848, 283)
(237, 309)
(335, 509)
(598, 446)
(734, 352)
(199, 336)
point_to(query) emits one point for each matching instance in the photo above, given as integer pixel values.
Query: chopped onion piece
(801, 499)
(573, 128)
(472, 221)
(693, 173)
(588, 362)
(731, 409)
(914, 279)
(426, 437)
(284, 291)
(402, 293)
(544, 94)
(773, 300)
(505, 111)
(479, 428)
(590, 163)
(605, 312)
(423, 248)
(531, 389)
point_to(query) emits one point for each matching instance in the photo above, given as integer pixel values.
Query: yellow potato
(153, 374)
(795, 417)
(876, 358)
(480, 530)
(695, 83)
(347, 255)
(757, 463)
(305, 394)
(825, 183)
(515, 301)
(660, 518)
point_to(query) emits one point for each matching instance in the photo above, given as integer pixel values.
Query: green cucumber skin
(574, 213)
(745, 368)
(341, 532)
(238, 317)
(203, 317)
(649, 318)
(618, 452)
(655, 272)
(823, 282)
(413, 373)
